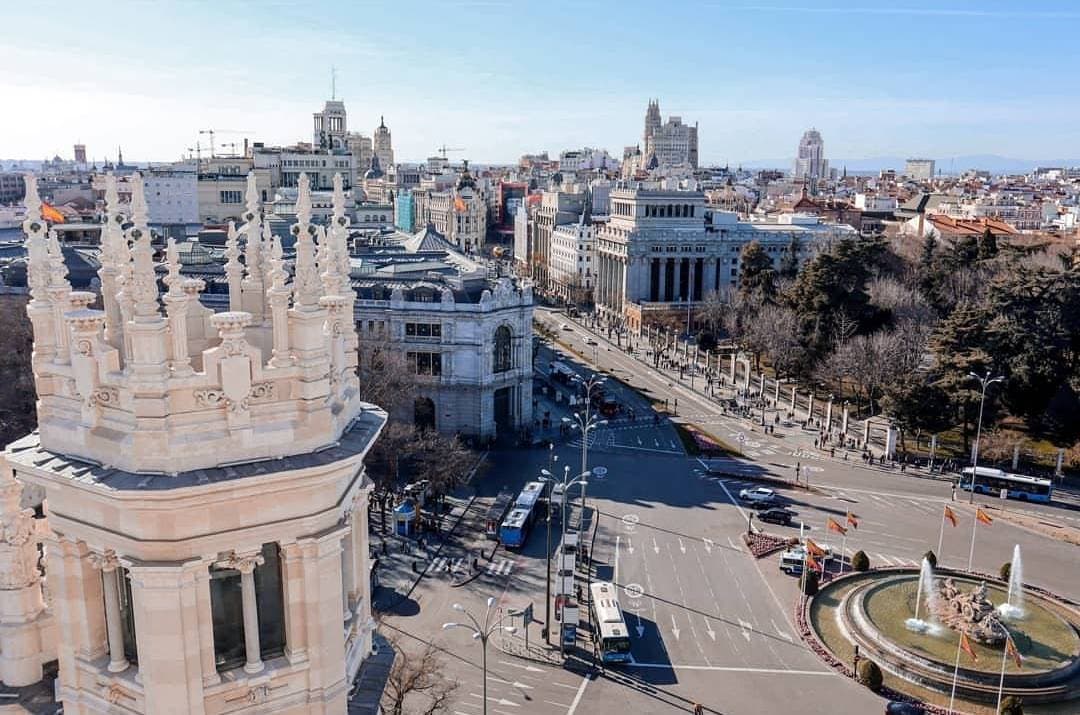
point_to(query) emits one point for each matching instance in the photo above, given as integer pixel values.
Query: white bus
(1017, 486)
(608, 619)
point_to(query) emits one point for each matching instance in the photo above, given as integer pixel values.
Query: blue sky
(502, 77)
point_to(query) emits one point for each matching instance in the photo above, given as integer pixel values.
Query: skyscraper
(382, 146)
(810, 162)
(668, 145)
(80, 153)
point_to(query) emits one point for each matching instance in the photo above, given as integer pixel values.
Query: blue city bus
(1017, 486)
(515, 528)
(497, 513)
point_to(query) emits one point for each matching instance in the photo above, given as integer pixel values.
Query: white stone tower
(205, 537)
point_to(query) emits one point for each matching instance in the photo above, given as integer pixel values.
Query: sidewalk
(401, 560)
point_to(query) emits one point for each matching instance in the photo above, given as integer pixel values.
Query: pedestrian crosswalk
(457, 567)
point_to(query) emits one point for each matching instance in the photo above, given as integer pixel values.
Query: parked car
(777, 515)
(758, 496)
(895, 707)
(564, 326)
(590, 341)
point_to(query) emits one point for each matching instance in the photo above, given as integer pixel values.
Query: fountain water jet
(926, 586)
(1013, 608)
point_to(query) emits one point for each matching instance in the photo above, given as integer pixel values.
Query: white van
(793, 561)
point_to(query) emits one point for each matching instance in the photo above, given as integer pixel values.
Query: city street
(709, 624)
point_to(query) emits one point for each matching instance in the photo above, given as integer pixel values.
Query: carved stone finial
(142, 276)
(173, 280)
(306, 279)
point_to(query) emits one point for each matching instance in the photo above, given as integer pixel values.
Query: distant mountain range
(947, 165)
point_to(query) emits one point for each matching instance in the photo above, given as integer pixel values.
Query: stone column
(734, 368)
(793, 394)
(292, 578)
(109, 566)
(776, 393)
(828, 415)
(810, 407)
(661, 279)
(746, 381)
(21, 602)
(245, 563)
(204, 607)
(761, 386)
(866, 433)
(168, 633)
(322, 599)
(844, 421)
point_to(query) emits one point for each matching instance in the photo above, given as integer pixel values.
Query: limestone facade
(205, 500)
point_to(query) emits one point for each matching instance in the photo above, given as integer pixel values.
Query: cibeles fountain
(910, 621)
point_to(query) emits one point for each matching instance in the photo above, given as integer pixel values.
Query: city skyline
(435, 84)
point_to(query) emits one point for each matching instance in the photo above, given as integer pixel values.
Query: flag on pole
(983, 517)
(965, 645)
(852, 520)
(49, 213)
(950, 515)
(814, 549)
(811, 563)
(834, 525)
(1012, 652)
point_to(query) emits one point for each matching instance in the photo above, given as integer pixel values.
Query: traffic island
(762, 544)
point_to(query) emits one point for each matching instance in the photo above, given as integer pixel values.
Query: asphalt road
(709, 623)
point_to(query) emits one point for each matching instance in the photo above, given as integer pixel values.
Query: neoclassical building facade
(200, 543)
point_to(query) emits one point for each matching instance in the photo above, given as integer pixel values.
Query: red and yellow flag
(852, 520)
(811, 563)
(1010, 650)
(834, 525)
(813, 549)
(950, 515)
(983, 517)
(965, 645)
(49, 213)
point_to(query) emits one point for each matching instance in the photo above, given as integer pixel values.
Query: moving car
(777, 515)
(758, 496)
(590, 341)
(564, 326)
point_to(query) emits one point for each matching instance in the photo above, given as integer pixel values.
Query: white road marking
(682, 546)
(674, 627)
(577, 698)
(655, 547)
(615, 575)
(730, 669)
(629, 548)
(745, 627)
(780, 632)
(709, 630)
(526, 668)
(558, 705)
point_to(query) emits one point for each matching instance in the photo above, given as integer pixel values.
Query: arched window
(503, 351)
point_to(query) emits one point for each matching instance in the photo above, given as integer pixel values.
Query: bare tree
(416, 679)
(386, 378)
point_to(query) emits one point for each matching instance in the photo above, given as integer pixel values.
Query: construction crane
(212, 132)
(443, 149)
(230, 145)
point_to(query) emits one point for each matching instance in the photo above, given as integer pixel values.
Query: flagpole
(956, 672)
(974, 527)
(843, 551)
(941, 536)
(1004, 656)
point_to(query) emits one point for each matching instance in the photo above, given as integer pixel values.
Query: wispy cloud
(910, 11)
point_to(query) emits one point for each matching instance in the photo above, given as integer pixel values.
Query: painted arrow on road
(682, 546)
(746, 628)
(526, 668)
(655, 548)
(639, 628)
(674, 627)
(709, 630)
(708, 545)
(629, 546)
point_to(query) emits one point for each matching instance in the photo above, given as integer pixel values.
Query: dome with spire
(375, 172)
(466, 179)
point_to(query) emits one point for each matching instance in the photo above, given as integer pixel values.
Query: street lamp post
(986, 381)
(586, 423)
(566, 484)
(552, 458)
(482, 631)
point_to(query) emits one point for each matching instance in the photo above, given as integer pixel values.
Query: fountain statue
(971, 612)
(1013, 608)
(926, 586)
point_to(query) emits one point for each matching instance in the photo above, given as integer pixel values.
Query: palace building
(186, 532)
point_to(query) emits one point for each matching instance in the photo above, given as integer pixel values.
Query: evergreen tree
(789, 262)
(757, 277)
(966, 251)
(988, 247)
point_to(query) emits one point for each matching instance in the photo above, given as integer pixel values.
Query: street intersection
(709, 624)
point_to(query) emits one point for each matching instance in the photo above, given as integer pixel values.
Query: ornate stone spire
(113, 256)
(253, 286)
(278, 297)
(306, 279)
(37, 245)
(144, 279)
(234, 270)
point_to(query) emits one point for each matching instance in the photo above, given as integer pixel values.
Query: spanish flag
(49, 213)
(811, 563)
(834, 525)
(1010, 650)
(983, 517)
(950, 515)
(852, 520)
(813, 549)
(965, 645)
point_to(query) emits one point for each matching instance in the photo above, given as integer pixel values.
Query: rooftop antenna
(333, 83)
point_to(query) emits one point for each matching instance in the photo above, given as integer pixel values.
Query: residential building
(405, 211)
(919, 169)
(458, 212)
(12, 187)
(572, 251)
